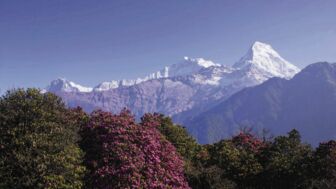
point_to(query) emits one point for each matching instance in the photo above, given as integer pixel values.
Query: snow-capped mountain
(264, 58)
(189, 66)
(108, 85)
(64, 85)
(181, 90)
(186, 67)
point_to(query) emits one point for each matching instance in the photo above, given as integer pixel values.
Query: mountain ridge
(182, 90)
(190, 66)
(306, 102)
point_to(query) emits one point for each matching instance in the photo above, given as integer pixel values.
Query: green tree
(38, 142)
(239, 158)
(210, 174)
(185, 144)
(286, 163)
(324, 166)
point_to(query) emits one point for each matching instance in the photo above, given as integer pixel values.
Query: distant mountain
(188, 66)
(63, 85)
(307, 103)
(182, 90)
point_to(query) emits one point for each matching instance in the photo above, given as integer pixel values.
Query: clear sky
(93, 41)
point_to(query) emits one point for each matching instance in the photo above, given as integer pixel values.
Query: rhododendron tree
(247, 141)
(121, 153)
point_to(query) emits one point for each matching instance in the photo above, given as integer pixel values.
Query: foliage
(324, 165)
(195, 156)
(238, 158)
(286, 162)
(207, 174)
(39, 148)
(185, 145)
(38, 142)
(123, 154)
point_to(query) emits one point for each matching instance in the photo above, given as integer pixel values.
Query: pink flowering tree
(247, 141)
(121, 153)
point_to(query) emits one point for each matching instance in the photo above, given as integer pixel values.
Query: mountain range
(189, 91)
(180, 87)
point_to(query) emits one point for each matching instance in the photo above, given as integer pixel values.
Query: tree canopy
(121, 153)
(38, 142)
(44, 144)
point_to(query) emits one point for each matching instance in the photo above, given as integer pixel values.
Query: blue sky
(93, 41)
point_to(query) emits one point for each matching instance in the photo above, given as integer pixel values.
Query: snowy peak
(263, 47)
(189, 66)
(259, 52)
(200, 62)
(105, 86)
(63, 85)
(263, 57)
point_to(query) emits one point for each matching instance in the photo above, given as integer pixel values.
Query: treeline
(43, 144)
